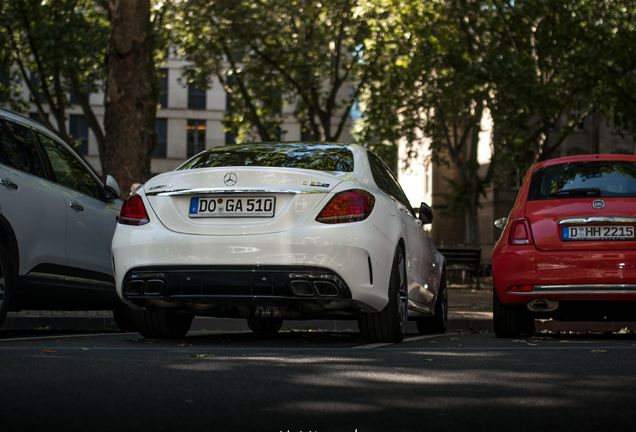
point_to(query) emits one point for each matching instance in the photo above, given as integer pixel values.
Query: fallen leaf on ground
(84, 349)
(48, 351)
(181, 345)
(532, 344)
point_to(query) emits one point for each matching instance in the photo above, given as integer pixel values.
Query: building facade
(189, 120)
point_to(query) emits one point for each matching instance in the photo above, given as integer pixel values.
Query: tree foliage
(270, 53)
(526, 63)
(57, 48)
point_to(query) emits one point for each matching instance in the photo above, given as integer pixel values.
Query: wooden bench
(464, 260)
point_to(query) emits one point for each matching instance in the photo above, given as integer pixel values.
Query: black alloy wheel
(161, 323)
(389, 325)
(438, 323)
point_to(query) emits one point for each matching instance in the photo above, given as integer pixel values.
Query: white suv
(57, 221)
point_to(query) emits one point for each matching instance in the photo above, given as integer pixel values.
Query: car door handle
(76, 206)
(8, 183)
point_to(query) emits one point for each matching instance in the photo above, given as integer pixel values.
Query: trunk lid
(581, 220)
(259, 200)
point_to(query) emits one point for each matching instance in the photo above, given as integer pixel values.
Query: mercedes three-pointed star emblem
(230, 179)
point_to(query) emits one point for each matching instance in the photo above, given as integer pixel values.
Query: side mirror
(426, 214)
(111, 188)
(501, 223)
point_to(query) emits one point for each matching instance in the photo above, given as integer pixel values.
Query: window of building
(428, 174)
(35, 80)
(196, 97)
(75, 101)
(78, 129)
(305, 134)
(622, 123)
(161, 127)
(162, 99)
(5, 87)
(230, 138)
(196, 137)
(36, 116)
(575, 114)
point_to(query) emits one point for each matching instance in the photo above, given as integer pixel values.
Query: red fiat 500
(568, 249)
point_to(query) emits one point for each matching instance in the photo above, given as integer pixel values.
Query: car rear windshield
(584, 179)
(320, 157)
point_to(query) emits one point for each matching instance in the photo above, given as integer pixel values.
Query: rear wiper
(577, 192)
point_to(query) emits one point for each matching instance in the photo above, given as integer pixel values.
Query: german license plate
(598, 232)
(232, 207)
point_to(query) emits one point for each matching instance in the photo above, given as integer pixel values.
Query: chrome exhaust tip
(543, 305)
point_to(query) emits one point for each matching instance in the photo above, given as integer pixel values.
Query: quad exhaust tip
(303, 288)
(543, 305)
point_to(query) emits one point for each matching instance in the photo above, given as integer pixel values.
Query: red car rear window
(584, 179)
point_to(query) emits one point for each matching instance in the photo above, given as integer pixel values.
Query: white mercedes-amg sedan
(279, 231)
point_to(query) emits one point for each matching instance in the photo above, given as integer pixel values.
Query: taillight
(133, 212)
(520, 233)
(349, 206)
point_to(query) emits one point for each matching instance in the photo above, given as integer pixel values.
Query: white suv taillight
(133, 212)
(520, 233)
(349, 206)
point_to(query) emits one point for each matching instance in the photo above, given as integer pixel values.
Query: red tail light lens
(133, 212)
(520, 233)
(349, 206)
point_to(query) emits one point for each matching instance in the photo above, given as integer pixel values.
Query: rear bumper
(280, 291)
(563, 276)
(358, 254)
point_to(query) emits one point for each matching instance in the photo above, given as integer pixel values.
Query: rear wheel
(511, 321)
(123, 316)
(163, 323)
(437, 324)
(389, 325)
(265, 325)
(7, 282)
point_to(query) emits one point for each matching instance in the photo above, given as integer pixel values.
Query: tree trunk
(131, 94)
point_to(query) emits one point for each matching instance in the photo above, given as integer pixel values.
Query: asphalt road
(315, 381)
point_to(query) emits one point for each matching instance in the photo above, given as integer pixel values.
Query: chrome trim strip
(70, 279)
(580, 289)
(597, 219)
(228, 190)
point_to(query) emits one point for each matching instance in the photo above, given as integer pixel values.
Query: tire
(8, 279)
(123, 316)
(162, 323)
(438, 323)
(389, 325)
(511, 321)
(265, 325)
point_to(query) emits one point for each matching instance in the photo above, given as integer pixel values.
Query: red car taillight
(133, 212)
(349, 206)
(520, 233)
